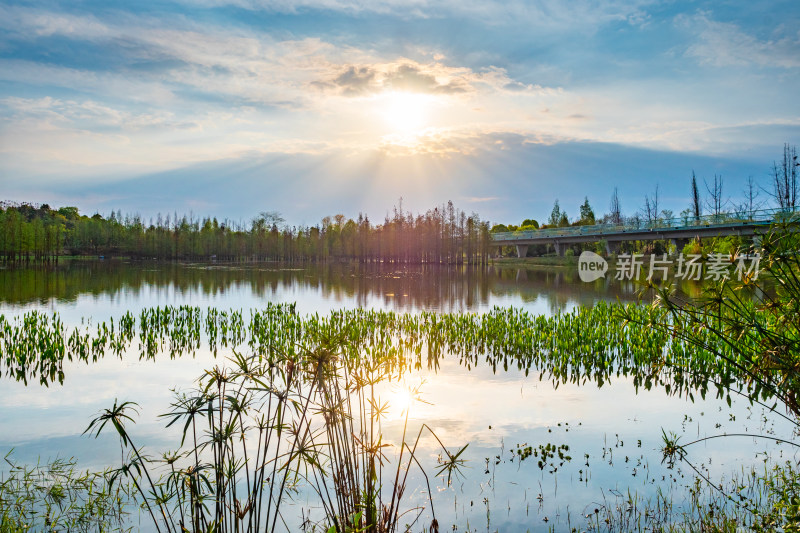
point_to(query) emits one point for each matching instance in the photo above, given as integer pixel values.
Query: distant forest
(39, 233)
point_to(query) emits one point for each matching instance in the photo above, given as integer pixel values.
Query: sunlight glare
(402, 400)
(405, 113)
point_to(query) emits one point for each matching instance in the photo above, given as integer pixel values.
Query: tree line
(445, 234)
(707, 199)
(780, 192)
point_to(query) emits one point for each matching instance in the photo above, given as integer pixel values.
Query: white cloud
(236, 63)
(547, 15)
(251, 66)
(406, 74)
(182, 91)
(263, 95)
(724, 44)
(469, 140)
(31, 23)
(104, 84)
(60, 111)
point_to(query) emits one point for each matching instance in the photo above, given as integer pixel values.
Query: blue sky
(312, 108)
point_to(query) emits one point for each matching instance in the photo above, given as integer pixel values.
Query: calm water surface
(100, 288)
(614, 432)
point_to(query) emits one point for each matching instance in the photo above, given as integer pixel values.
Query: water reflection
(402, 288)
(614, 432)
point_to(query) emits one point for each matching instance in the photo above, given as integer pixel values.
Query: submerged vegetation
(588, 344)
(58, 497)
(762, 500)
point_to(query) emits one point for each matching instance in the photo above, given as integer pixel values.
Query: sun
(399, 399)
(402, 400)
(405, 113)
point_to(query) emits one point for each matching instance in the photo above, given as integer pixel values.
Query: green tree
(70, 213)
(696, 207)
(587, 213)
(555, 215)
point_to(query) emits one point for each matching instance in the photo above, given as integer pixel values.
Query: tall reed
(267, 425)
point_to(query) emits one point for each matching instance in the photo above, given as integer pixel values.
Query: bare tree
(616, 210)
(697, 208)
(651, 210)
(716, 203)
(750, 205)
(784, 179)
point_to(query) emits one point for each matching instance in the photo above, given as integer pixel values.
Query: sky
(229, 108)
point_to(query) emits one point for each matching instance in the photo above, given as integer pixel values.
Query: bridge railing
(684, 222)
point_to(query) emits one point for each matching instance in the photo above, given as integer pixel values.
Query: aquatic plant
(589, 344)
(56, 496)
(752, 500)
(743, 324)
(256, 430)
(755, 331)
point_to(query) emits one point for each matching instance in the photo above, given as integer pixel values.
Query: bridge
(679, 231)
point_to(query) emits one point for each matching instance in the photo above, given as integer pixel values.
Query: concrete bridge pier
(522, 250)
(612, 247)
(560, 248)
(757, 242)
(679, 244)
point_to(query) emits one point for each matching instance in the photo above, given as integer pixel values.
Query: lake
(614, 432)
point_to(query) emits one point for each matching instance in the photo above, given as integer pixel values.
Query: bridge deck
(707, 226)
